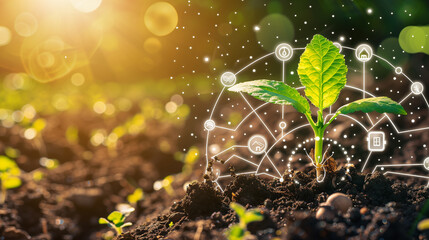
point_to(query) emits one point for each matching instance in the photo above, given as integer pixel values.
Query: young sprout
(166, 184)
(9, 176)
(322, 71)
(136, 196)
(116, 220)
(239, 231)
(190, 159)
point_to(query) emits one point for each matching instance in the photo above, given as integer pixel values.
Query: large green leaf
(322, 70)
(377, 104)
(274, 92)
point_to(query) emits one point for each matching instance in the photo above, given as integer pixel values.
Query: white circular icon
(284, 52)
(282, 125)
(209, 125)
(228, 79)
(338, 45)
(426, 163)
(363, 53)
(398, 70)
(257, 144)
(417, 88)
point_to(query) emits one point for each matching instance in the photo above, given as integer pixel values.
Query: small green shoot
(136, 196)
(190, 159)
(239, 231)
(11, 152)
(423, 224)
(322, 71)
(37, 175)
(9, 176)
(166, 184)
(116, 220)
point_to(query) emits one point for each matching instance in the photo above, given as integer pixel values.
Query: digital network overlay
(257, 154)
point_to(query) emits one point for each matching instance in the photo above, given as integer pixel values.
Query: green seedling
(189, 160)
(9, 176)
(239, 231)
(166, 184)
(116, 220)
(136, 196)
(322, 71)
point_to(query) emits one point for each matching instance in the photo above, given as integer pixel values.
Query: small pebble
(325, 212)
(340, 202)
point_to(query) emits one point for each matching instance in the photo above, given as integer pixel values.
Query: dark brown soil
(89, 181)
(382, 209)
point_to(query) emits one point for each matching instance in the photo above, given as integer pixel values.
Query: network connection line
(406, 174)
(396, 165)
(257, 60)
(243, 120)
(366, 161)
(262, 121)
(241, 158)
(217, 100)
(232, 147)
(416, 89)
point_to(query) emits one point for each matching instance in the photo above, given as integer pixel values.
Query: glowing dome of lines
(271, 141)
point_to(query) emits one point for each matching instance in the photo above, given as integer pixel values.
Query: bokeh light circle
(274, 29)
(78, 79)
(86, 6)
(5, 36)
(26, 24)
(152, 45)
(412, 39)
(161, 18)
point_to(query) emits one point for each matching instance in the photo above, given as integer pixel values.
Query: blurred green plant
(37, 175)
(116, 220)
(165, 184)
(49, 163)
(190, 159)
(9, 176)
(239, 231)
(136, 196)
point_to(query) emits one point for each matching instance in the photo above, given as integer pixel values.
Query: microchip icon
(376, 141)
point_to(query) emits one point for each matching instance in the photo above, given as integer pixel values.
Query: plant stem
(118, 231)
(318, 147)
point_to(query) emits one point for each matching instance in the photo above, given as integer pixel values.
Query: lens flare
(50, 60)
(161, 18)
(5, 36)
(26, 24)
(86, 6)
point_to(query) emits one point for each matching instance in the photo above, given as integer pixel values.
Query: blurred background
(60, 55)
